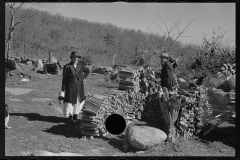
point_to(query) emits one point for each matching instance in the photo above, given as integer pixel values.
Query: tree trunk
(114, 59)
(24, 45)
(170, 111)
(10, 34)
(50, 57)
(11, 27)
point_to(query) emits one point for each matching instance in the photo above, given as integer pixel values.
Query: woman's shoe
(75, 118)
(70, 119)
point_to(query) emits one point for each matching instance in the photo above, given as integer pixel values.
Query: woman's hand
(60, 98)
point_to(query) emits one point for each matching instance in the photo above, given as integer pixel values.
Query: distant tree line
(41, 32)
(105, 44)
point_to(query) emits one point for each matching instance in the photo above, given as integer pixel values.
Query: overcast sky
(142, 15)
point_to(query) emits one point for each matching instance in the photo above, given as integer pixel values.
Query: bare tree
(170, 106)
(110, 44)
(12, 25)
(13, 9)
(172, 32)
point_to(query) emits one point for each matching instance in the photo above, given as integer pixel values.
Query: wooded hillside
(41, 32)
(106, 44)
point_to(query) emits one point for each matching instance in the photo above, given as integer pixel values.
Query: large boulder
(225, 86)
(222, 98)
(214, 80)
(218, 98)
(99, 70)
(232, 82)
(53, 60)
(39, 64)
(144, 137)
(183, 84)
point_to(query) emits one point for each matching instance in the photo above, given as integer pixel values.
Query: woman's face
(75, 60)
(163, 60)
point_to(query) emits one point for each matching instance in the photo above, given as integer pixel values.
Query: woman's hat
(75, 54)
(164, 54)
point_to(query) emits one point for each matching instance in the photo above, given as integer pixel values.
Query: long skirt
(71, 109)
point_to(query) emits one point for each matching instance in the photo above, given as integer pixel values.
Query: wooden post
(114, 58)
(50, 57)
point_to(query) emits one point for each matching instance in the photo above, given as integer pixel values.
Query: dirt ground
(37, 124)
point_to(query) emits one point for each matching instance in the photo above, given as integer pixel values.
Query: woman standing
(167, 78)
(72, 85)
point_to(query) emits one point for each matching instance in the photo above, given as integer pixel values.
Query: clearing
(37, 124)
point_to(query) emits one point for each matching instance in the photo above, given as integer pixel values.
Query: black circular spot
(115, 124)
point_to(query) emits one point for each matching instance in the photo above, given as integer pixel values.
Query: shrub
(208, 59)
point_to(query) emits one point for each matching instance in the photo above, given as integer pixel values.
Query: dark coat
(72, 82)
(167, 78)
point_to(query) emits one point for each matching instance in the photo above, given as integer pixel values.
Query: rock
(108, 69)
(98, 70)
(39, 63)
(144, 137)
(25, 80)
(11, 73)
(210, 100)
(210, 92)
(34, 62)
(232, 95)
(214, 80)
(53, 60)
(232, 82)
(221, 97)
(183, 84)
(29, 62)
(225, 86)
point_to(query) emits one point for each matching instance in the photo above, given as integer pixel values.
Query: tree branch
(167, 32)
(159, 27)
(16, 24)
(175, 24)
(10, 5)
(189, 36)
(181, 33)
(18, 8)
(163, 22)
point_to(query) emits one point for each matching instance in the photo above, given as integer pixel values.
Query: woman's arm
(86, 72)
(64, 77)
